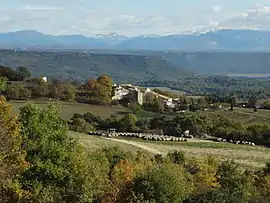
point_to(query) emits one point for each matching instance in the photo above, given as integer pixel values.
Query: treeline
(19, 85)
(199, 125)
(202, 85)
(40, 162)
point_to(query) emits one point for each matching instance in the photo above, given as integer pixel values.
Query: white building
(44, 79)
(120, 93)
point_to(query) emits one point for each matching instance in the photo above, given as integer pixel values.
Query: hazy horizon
(151, 17)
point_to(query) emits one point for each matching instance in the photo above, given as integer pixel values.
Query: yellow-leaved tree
(12, 157)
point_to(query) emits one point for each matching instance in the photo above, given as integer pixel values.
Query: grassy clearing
(246, 156)
(92, 143)
(245, 115)
(69, 108)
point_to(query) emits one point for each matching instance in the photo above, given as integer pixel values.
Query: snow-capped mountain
(110, 36)
(215, 38)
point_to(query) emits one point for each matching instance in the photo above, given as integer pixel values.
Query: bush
(80, 125)
(164, 183)
(58, 167)
(177, 157)
(18, 92)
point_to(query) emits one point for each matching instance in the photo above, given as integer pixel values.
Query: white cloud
(40, 8)
(217, 8)
(257, 17)
(63, 19)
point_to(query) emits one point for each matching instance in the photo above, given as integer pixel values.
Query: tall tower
(139, 97)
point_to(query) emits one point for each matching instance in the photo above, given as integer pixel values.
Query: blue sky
(139, 17)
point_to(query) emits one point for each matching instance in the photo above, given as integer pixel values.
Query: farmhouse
(128, 91)
(137, 94)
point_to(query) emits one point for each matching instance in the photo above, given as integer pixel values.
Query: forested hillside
(124, 68)
(221, 62)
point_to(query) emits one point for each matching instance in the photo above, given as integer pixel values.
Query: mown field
(92, 143)
(69, 108)
(246, 115)
(246, 156)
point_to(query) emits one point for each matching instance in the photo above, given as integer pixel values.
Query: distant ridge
(122, 67)
(206, 40)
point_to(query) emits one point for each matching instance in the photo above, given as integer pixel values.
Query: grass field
(247, 116)
(92, 143)
(69, 108)
(246, 156)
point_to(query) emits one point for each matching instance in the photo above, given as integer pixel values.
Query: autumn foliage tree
(99, 90)
(12, 157)
(3, 84)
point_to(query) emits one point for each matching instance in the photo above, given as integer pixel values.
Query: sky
(131, 18)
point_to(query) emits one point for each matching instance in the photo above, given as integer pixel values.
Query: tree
(232, 100)
(158, 105)
(23, 72)
(99, 91)
(121, 180)
(163, 183)
(41, 89)
(18, 92)
(235, 185)
(104, 88)
(90, 84)
(57, 161)
(106, 81)
(177, 157)
(12, 156)
(252, 100)
(206, 178)
(143, 125)
(136, 109)
(64, 92)
(197, 125)
(80, 125)
(149, 98)
(158, 123)
(202, 103)
(128, 123)
(3, 84)
(182, 104)
(194, 106)
(9, 73)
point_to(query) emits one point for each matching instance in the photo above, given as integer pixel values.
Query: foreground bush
(164, 183)
(57, 170)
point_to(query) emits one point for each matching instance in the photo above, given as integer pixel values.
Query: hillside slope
(124, 68)
(221, 62)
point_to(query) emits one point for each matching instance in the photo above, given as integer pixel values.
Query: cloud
(257, 17)
(40, 8)
(77, 17)
(217, 8)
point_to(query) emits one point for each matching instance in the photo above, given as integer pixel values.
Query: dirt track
(139, 145)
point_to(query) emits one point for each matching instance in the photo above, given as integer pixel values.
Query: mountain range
(211, 40)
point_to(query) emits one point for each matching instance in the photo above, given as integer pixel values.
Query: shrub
(164, 183)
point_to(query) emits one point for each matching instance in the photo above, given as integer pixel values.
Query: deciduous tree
(12, 156)
(23, 72)
(57, 161)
